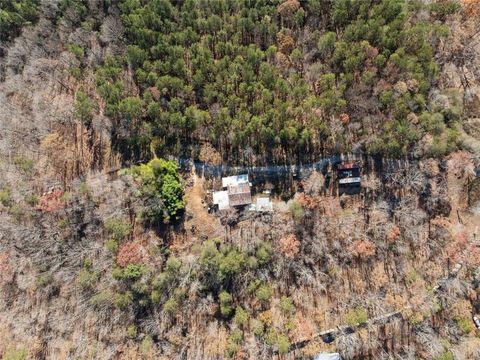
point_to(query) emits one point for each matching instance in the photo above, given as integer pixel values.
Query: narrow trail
(209, 170)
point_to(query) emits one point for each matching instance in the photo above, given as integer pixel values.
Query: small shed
(239, 195)
(264, 204)
(348, 174)
(220, 198)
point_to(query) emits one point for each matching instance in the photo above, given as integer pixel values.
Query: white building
(235, 180)
(264, 204)
(328, 356)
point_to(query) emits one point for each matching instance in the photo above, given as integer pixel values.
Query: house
(239, 195)
(236, 192)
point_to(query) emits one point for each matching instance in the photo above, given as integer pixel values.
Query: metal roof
(239, 195)
(345, 166)
(264, 204)
(220, 198)
(350, 180)
(328, 356)
(234, 180)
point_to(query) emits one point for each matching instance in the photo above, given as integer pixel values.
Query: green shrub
(411, 276)
(286, 304)
(123, 300)
(104, 297)
(15, 354)
(326, 44)
(170, 306)
(132, 331)
(133, 271)
(87, 278)
(241, 316)
(6, 196)
(236, 336)
(26, 165)
(76, 50)
(444, 8)
(253, 286)
(84, 188)
(146, 345)
(17, 212)
(161, 190)
(356, 316)
(84, 107)
(283, 344)
(63, 223)
(296, 210)
(76, 72)
(225, 303)
(231, 349)
(44, 279)
(271, 336)
(263, 253)
(465, 325)
(155, 296)
(264, 293)
(112, 245)
(447, 355)
(67, 195)
(173, 265)
(32, 199)
(117, 228)
(257, 327)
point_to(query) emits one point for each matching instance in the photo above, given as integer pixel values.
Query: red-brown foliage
(460, 164)
(51, 201)
(362, 249)
(393, 234)
(308, 202)
(290, 246)
(285, 43)
(288, 7)
(344, 118)
(303, 328)
(472, 8)
(129, 253)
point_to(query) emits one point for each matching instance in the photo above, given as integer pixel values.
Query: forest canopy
(283, 81)
(14, 14)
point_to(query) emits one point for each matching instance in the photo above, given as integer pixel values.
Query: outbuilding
(348, 173)
(264, 204)
(328, 356)
(220, 198)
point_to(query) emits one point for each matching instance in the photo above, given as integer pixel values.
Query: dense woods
(14, 14)
(278, 80)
